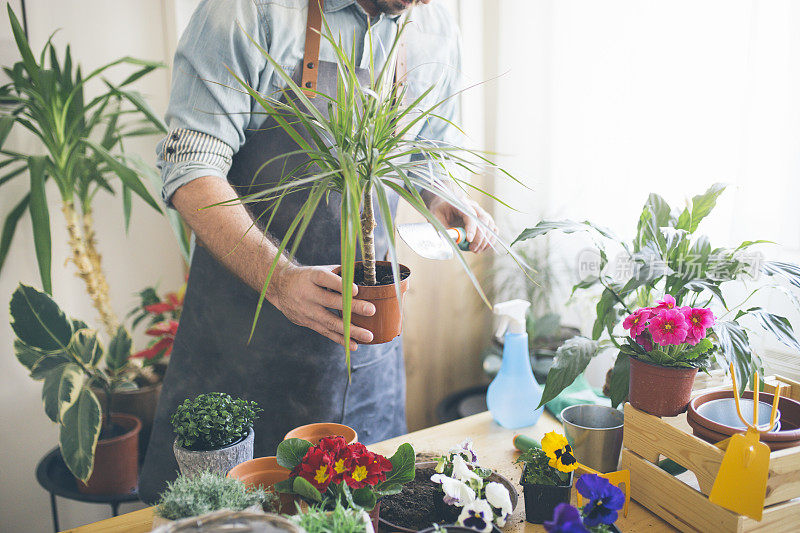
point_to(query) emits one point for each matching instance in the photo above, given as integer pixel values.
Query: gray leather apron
(295, 374)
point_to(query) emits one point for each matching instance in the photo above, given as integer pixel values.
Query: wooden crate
(682, 501)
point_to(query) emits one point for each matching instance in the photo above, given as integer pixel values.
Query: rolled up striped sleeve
(208, 118)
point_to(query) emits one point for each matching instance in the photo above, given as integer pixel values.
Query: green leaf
(702, 205)
(46, 364)
(22, 44)
(10, 227)
(606, 314)
(735, 346)
(6, 123)
(80, 430)
(284, 486)
(40, 217)
(567, 226)
(790, 272)
(26, 355)
(571, 359)
(620, 379)
(403, 467)
(364, 497)
(86, 348)
(38, 321)
(303, 488)
(291, 452)
(126, 175)
(777, 325)
(118, 350)
(61, 388)
(141, 104)
(660, 209)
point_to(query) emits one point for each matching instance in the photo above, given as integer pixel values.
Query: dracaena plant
(81, 149)
(66, 355)
(669, 256)
(362, 147)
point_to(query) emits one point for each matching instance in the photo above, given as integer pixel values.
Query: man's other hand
(450, 216)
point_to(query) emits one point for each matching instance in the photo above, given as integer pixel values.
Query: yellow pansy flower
(559, 451)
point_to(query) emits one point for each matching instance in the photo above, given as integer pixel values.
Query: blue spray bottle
(514, 395)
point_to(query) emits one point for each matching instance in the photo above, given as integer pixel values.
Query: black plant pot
(541, 500)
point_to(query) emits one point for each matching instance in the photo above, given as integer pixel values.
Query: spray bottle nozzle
(512, 316)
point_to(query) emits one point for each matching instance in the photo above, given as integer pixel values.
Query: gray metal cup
(595, 434)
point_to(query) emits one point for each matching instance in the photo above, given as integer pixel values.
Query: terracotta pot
(787, 437)
(313, 433)
(265, 471)
(660, 390)
(116, 460)
(140, 403)
(386, 323)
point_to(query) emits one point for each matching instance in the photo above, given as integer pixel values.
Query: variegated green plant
(81, 148)
(66, 355)
(361, 147)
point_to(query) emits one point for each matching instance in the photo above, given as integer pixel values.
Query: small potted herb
(334, 472)
(599, 513)
(546, 477)
(213, 432)
(208, 492)
(338, 520)
(667, 345)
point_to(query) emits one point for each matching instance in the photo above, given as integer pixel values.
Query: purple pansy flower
(604, 498)
(566, 519)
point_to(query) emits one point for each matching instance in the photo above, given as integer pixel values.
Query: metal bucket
(595, 434)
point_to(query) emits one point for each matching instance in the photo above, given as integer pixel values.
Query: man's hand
(301, 293)
(450, 216)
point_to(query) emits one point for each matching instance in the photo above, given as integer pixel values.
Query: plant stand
(54, 477)
(683, 500)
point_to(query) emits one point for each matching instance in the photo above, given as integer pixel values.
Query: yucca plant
(82, 152)
(66, 355)
(359, 148)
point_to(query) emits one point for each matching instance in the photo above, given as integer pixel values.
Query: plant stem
(368, 237)
(88, 270)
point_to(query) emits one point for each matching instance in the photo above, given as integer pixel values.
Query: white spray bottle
(514, 395)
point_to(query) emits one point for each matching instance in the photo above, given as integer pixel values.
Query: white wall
(99, 31)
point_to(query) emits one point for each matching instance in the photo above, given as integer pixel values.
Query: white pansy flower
(466, 450)
(461, 471)
(478, 516)
(498, 497)
(456, 492)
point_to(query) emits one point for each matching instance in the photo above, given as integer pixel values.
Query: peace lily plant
(81, 149)
(669, 256)
(360, 148)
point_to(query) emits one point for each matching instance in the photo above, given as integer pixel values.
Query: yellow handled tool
(741, 483)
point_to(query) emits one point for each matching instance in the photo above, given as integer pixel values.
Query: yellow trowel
(741, 482)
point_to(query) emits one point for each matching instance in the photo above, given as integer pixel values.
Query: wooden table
(493, 446)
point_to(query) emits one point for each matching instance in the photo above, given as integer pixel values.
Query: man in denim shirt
(294, 350)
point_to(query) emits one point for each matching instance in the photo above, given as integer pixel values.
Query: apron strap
(311, 54)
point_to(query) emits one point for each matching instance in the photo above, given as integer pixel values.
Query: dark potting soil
(115, 431)
(383, 275)
(419, 505)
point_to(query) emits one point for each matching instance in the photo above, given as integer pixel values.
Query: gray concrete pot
(219, 461)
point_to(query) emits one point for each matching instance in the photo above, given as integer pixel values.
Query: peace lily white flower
(462, 472)
(498, 497)
(456, 492)
(478, 516)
